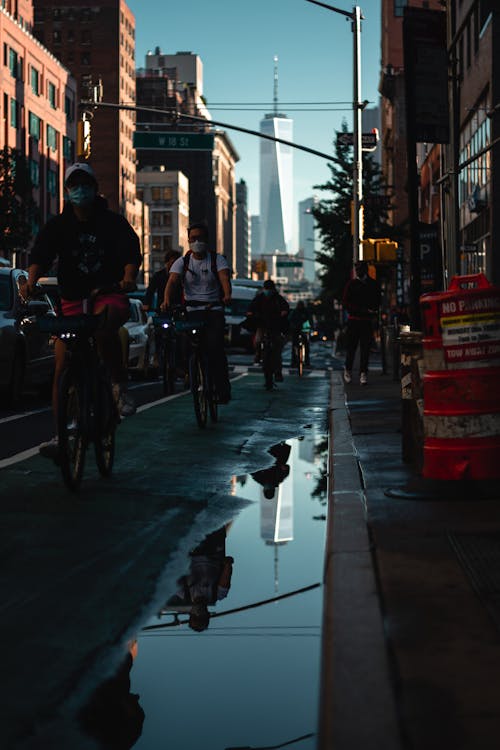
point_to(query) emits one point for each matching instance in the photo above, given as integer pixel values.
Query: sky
(237, 42)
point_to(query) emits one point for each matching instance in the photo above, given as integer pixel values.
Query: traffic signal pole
(357, 187)
(357, 107)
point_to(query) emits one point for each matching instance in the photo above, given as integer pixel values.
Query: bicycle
(86, 409)
(299, 350)
(267, 357)
(167, 353)
(200, 373)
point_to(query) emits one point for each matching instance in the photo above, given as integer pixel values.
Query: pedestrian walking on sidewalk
(361, 300)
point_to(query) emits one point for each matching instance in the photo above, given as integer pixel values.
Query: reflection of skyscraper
(276, 179)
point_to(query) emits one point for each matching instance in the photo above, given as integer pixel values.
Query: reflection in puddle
(242, 669)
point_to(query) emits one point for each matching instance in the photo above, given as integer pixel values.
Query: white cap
(79, 167)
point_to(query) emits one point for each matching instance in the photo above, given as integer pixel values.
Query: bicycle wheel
(212, 401)
(169, 368)
(72, 419)
(267, 363)
(105, 421)
(197, 380)
(300, 358)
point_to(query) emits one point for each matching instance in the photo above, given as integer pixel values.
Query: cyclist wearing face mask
(95, 248)
(204, 276)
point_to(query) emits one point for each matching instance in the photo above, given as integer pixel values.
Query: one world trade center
(276, 180)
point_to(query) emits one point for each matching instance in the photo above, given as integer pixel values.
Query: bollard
(410, 343)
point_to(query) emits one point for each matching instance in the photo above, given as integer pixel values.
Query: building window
(13, 113)
(34, 126)
(13, 63)
(51, 138)
(85, 59)
(69, 108)
(56, 36)
(52, 95)
(34, 173)
(68, 149)
(52, 183)
(86, 37)
(35, 81)
(161, 219)
(399, 7)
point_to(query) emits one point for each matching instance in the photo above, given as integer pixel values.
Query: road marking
(145, 407)
(14, 417)
(30, 452)
(4, 462)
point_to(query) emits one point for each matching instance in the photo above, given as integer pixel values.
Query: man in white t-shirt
(205, 279)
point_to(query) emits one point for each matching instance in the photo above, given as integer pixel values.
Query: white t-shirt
(200, 284)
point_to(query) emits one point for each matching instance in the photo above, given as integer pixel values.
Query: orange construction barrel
(462, 370)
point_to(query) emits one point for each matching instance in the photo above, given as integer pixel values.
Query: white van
(236, 313)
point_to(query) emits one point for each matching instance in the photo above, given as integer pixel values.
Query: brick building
(38, 98)
(98, 42)
(175, 82)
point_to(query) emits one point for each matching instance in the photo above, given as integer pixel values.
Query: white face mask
(198, 247)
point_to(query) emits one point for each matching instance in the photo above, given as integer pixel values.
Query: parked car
(141, 349)
(26, 353)
(235, 314)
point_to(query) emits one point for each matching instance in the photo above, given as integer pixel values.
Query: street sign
(288, 264)
(148, 140)
(369, 140)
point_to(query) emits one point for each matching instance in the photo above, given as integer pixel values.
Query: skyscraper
(95, 42)
(276, 179)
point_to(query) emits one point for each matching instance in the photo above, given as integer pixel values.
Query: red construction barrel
(462, 370)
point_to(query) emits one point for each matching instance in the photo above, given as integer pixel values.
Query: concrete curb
(357, 706)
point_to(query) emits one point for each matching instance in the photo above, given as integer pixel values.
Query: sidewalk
(413, 595)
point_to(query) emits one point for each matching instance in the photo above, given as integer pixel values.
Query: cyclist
(300, 322)
(159, 282)
(204, 276)
(269, 311)
(95, 249)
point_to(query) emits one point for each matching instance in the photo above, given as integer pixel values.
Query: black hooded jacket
(89, 254)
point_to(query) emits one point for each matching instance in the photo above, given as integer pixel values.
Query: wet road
(81, 576)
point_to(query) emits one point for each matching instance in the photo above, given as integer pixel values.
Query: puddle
(233, 659)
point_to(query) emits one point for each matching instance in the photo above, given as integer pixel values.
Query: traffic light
(386, 251)
(368, 250)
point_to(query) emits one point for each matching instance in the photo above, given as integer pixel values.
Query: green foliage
(333, 218)
(18, 210)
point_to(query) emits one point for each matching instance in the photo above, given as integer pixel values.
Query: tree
(333, 218)
(18, 210)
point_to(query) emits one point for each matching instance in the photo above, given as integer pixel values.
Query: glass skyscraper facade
(276, 185)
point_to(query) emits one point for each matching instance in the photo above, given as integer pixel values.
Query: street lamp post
(357, 106)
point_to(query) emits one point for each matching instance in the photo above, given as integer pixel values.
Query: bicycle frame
(86, 411)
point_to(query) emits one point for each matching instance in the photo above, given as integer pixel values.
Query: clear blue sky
(237, 41)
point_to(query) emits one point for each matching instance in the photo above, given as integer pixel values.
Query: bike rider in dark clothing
(300, 321)
(361, 300)
(268, 311)
(96, 249)
(158, 282)
(204, 276)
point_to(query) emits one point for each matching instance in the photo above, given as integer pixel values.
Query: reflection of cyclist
(272, 477)
(113, 714)
(96, 249)
(300, 322)
(205, 280)
(208, 580)
(269, 312)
